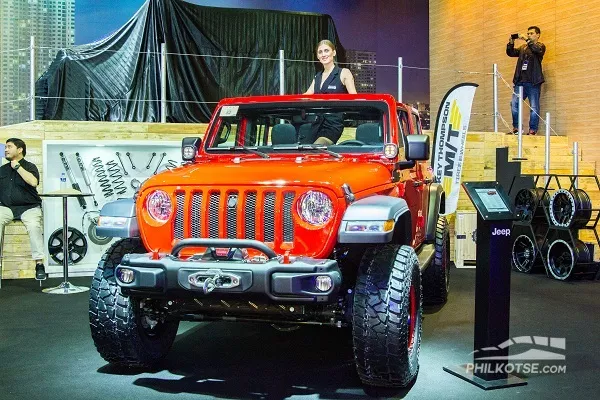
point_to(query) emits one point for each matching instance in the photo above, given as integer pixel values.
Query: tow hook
(212, 279)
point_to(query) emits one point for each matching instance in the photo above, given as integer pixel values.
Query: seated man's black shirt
(15, 193)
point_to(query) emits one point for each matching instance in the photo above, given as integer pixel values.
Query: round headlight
(159, 206)
(390, 150)
(315, 208)
(188, 152)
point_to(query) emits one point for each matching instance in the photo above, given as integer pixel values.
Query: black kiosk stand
(492, 289)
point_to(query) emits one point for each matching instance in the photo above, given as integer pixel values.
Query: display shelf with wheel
(528, 249)
(551, 216)
(108, 170)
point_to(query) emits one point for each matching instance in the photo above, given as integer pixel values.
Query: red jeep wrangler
(261, 224)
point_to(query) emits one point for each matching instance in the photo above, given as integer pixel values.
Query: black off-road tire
(118, 327)
(387, 316)
(436, 277)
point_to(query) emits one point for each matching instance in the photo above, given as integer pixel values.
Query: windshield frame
(213, 132)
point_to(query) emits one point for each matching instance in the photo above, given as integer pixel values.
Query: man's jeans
(531, 92)
(32, 219)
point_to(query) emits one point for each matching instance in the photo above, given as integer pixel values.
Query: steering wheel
(352, 142)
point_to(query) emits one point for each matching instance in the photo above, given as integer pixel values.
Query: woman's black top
(331, 125)
(333, 83)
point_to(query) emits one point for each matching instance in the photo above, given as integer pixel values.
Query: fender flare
(435, 208)
(376, 208)
(127, 227)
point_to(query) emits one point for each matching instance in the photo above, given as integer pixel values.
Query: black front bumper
(293, 282)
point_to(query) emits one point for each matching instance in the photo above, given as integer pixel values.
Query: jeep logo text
(501, 232)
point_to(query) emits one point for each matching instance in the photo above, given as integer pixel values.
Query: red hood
(312, 172)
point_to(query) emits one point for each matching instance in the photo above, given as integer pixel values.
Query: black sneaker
(40, 272)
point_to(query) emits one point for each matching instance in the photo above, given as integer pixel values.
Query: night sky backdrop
(392, 28)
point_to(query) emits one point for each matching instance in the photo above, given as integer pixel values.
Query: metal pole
(65, 238)
(163, 82)
(399, 79)
(495, 97)
(547, 157)
(575, 161)
(32, 79)
(520, 152)
(281, 73)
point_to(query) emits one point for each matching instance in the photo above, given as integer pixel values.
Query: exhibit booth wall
(83, 136)
(46, 139)
(471, 35)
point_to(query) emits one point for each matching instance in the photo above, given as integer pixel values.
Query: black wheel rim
(525, 204)
(523, 253)
(76, 245)
(584, 206)
(561, 259)
(562, 209)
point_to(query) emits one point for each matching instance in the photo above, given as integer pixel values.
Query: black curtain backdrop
(212, 53)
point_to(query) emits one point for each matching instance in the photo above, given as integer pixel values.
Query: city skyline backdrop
(376, 33)
(390, 28)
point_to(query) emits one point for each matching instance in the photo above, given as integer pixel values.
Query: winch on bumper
(296, 280)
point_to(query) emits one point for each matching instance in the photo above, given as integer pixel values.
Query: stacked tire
(553, 222)
(529, 247)
(569, 210)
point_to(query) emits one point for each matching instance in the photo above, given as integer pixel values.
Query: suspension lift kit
(114, 172)
(86, 177)
(102, 177)
(128, 154)
(162, 156)
(74, 183)
(122, 165)
(150, 161)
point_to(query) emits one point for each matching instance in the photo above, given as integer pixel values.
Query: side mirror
(190, 147)
(417, 147)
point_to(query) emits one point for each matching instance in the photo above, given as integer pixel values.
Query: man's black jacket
(534, 53)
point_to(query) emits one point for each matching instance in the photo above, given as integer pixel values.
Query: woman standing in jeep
(333, 79)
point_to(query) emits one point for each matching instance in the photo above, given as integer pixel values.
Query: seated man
(19, 199)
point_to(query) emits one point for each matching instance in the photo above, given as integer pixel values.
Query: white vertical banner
(449, 140)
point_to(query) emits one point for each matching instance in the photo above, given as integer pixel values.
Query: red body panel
(246, 196)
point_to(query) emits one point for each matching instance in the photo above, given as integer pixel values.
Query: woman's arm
(348, 80)
(311, 89)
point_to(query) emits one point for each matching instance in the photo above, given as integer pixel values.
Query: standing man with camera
(19, 199)
(528, 74)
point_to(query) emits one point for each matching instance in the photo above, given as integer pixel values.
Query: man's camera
(514, 36)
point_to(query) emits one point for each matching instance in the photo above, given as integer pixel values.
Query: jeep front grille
(178, 223)
(269, 217)
(250, 215)
(232, 200)
(213, 215)
(244, 214)
(195, 215)
(288, 223)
